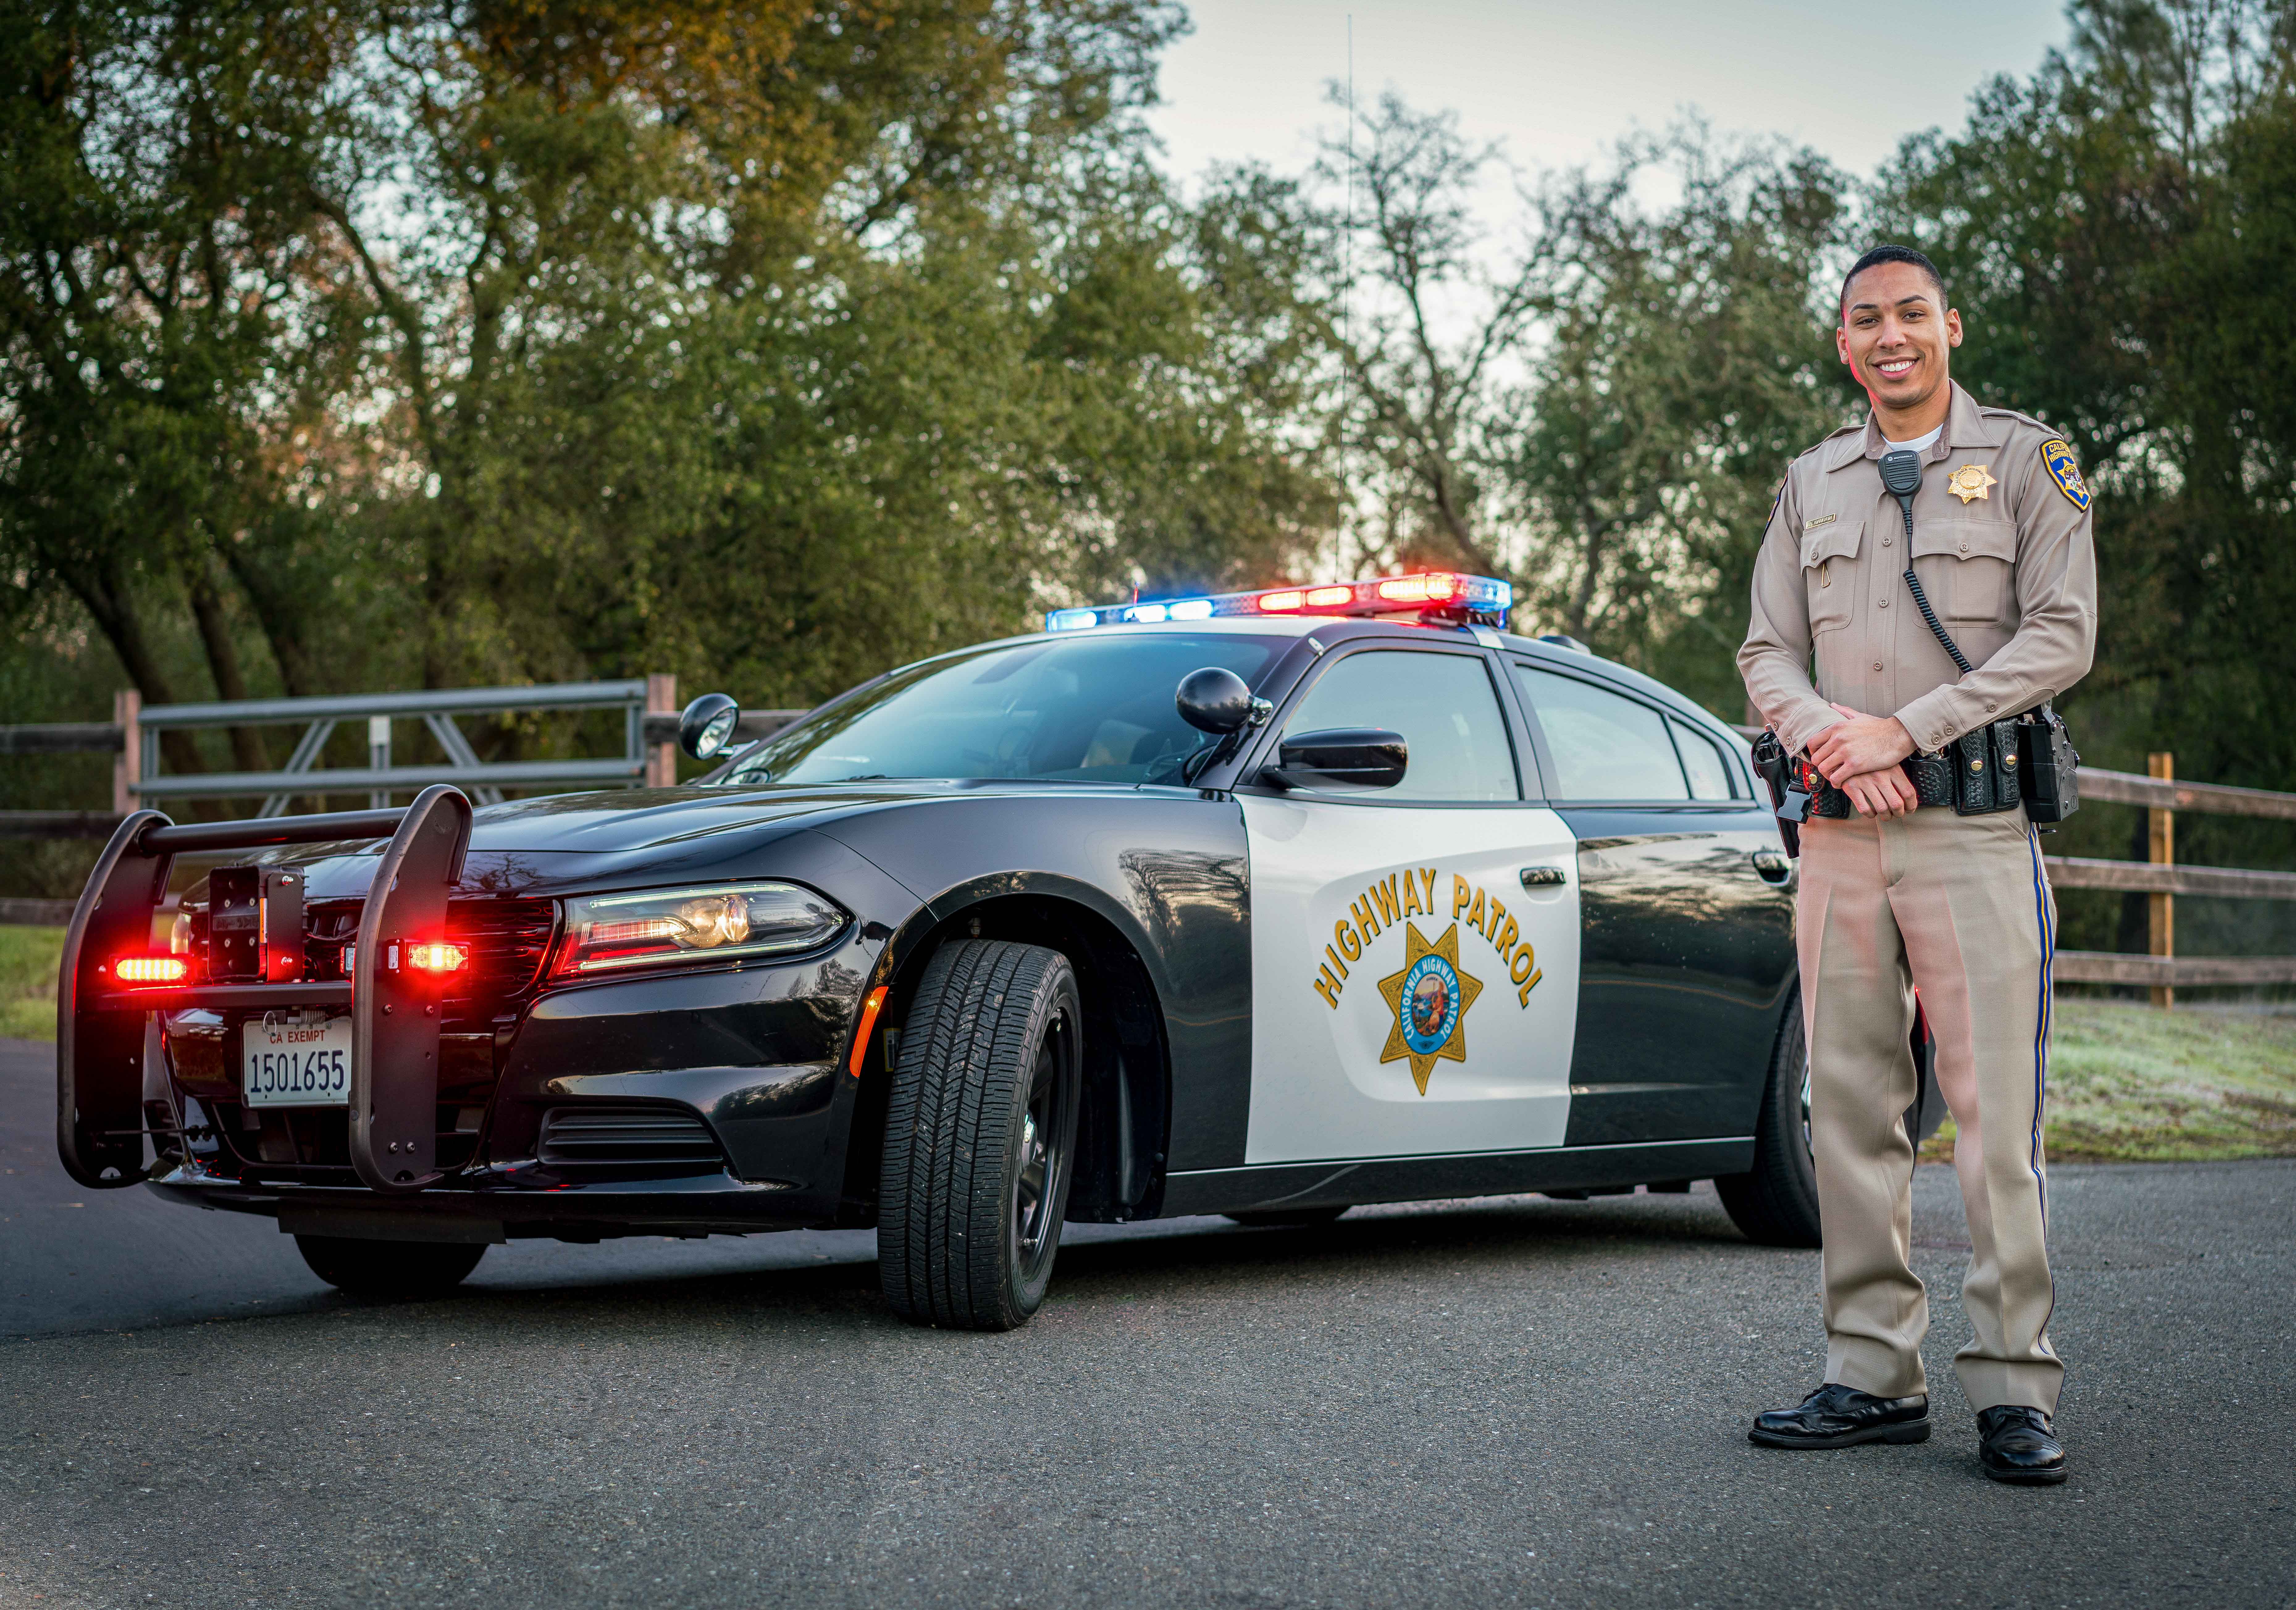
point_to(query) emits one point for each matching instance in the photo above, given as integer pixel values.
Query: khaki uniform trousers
(1959, 907)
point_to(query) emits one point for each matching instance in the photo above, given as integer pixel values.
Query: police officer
(1897, 897)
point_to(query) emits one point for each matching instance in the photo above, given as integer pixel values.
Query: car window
(1605, 745)
(1711, 776)
(1443, 705)
(1089, 708)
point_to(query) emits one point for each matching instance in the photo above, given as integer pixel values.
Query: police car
(1265, 905)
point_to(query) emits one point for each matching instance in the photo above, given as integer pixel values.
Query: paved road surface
(1508, 1403)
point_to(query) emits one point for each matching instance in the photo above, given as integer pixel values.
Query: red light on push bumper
(438, 957)
(151, 969)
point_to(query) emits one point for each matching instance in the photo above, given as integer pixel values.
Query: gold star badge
(1970, 481)
(1430, 999)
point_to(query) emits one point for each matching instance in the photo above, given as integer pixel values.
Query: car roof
(1337, 629)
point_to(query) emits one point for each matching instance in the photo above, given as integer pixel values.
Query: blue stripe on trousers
(2041, 1015)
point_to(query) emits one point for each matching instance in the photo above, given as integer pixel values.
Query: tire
(1287, 1218)
(980, 1127)
(1777, 1204)
(398, 1270)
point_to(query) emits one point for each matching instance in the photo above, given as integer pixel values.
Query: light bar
(150, 969)
(1435, 594)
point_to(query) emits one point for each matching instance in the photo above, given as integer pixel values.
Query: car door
(1687, 925)
(1414, 950)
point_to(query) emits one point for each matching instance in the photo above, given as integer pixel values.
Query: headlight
(608, 931)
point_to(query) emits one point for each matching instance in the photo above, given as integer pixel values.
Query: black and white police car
(1265, 905)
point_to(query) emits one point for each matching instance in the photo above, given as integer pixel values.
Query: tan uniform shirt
(2010, 570)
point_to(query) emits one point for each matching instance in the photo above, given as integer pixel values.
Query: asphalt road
(1514, 1401)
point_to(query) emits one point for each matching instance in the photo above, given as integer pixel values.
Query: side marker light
(870, 1007)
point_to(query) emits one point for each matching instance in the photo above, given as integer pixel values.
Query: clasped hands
(1860, 758)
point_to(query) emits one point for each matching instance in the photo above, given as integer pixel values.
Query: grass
(2130, 1084)
(27, 982)
(2126, 1084)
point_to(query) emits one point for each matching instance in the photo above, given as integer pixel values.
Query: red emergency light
(145, 971)
(438, 956)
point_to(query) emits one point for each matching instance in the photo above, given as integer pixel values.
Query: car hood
(624, 820)
(533, 846)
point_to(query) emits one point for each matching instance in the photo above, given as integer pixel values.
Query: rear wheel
(980, 1130)
(1775, 1202)
(389, 1269)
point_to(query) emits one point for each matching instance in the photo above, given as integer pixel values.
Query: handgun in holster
(1790, 795)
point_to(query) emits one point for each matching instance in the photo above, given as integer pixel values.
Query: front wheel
(980, 1130)
(399, 1270)
(1776, 1203)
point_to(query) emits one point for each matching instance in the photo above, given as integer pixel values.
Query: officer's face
(1895, 335)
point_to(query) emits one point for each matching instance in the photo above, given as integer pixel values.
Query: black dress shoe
(1836, 1415)
(2016, 1444)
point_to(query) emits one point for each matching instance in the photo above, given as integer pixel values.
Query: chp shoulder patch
(2059, 459)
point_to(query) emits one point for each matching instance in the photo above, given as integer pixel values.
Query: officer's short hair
(1890, 254)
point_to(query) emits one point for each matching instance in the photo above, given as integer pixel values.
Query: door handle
(1772, 865)
(1544, 877)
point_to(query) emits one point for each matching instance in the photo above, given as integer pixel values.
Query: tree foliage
(374, 344)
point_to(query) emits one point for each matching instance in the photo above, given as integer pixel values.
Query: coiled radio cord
(1901, 476)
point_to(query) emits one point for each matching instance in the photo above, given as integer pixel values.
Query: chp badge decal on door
(1430, 999)
(1430, 995)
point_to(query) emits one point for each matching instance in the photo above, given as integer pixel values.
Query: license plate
(298, 1064)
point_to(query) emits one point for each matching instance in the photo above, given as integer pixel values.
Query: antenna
(1348, 296)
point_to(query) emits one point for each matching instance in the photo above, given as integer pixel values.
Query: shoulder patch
(1777, 498)
(2058, 458)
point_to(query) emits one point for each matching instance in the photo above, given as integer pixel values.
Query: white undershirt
(1920, 444)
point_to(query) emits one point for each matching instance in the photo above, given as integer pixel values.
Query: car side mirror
(707, 727)
(1343, 758)
(1214, 700)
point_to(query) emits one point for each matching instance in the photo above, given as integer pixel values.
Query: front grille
(509, 940)
(628, 1137)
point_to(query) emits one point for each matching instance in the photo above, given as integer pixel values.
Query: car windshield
(1088, 708)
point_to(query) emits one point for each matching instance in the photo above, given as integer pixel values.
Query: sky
(1558, 82)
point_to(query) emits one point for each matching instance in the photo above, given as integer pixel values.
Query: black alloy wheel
(394, 1270)
(1776, 1203)
(980, 1128)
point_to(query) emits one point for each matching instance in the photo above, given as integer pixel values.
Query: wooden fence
(2162, 879)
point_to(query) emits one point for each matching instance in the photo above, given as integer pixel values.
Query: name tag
(1823, 520)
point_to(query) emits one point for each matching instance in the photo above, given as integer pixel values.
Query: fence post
(2161, 838)
(127, 770)
(378, 756)
(662, 758)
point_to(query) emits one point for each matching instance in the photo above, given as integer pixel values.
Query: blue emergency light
(1480, 600)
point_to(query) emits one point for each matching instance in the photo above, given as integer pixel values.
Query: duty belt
(1977, 774)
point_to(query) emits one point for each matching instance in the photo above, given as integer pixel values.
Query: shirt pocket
(1828, 557)
(1968, 566)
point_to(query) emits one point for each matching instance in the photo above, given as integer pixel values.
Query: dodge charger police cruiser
(1266, 904)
